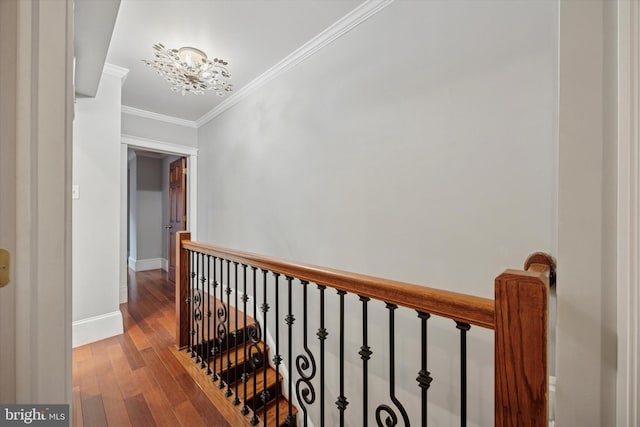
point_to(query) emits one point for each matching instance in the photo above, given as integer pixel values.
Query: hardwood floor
(133, 379)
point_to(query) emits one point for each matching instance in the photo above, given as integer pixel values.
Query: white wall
(158, 130)
(96, 214)
(149, 229)
(586, 340)
(132, 177)
(420, 146)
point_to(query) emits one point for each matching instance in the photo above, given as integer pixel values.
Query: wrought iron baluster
(322, 337)
(228, 392)
(305, 391)
(192, 303)
(342, 400)
(245, 375)
(207, 354)
(265, 309)
(277, 359)
(222, 326)
(216, 349)
(203, 280)
(391, 418)
(464, 327)
(290, 319)
(236, 399)
(187, 301)
(424, 376)
(256, 356)
(365, 355)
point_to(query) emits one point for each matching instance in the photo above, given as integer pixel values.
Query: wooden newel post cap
(542, 262)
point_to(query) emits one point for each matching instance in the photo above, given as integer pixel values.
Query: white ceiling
(252, 35)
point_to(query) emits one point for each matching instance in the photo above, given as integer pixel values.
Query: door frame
(135, 142)
(628, 211)
(38, 136)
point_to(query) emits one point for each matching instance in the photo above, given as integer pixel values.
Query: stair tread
(283, 405)
(230, 355)
(259, 375)
(231, 315)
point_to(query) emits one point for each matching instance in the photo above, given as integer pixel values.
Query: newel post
(521, 337)
(182, 289)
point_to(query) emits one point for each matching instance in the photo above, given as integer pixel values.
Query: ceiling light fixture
(189, 70)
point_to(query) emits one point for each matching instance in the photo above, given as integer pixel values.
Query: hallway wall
(148, 213)
(96, 213)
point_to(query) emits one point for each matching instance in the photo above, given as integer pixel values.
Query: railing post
(521, 353)
(182, 290)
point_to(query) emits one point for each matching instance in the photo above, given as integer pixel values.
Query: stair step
(283, 406)
(229, 371)
(260, 386)
(214, 346)
(232, 371)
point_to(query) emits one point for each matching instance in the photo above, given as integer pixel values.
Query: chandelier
(189, 70)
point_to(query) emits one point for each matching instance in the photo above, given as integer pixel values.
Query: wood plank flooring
(134, 379)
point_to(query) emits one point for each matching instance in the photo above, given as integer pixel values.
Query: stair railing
(206, 275)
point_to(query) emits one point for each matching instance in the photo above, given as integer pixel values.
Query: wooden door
(177, 208)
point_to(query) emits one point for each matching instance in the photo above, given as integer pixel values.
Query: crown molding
(116, 71)
(156, 116)
(335, 31)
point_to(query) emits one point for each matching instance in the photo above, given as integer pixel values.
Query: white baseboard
(145, 264)
(96, 328)
(165, 264)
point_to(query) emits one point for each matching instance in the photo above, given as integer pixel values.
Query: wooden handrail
(464, 308)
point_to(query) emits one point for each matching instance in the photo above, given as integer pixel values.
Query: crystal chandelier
(189, 70)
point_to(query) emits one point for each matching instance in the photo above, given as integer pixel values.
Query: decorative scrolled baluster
(424, 376)
(342, 400)
(245, 374)
(290, 319)
(322, 337)
(192, 300)
(195, 299)
(365, 355)
(305, 363)
(255, 354)
(463, 327)
(187, 301)
(222, 327)
(391, 418)
(216, 348)
(197, 310)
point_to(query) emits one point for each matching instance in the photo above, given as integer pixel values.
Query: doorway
(157, 208)
(150, 152)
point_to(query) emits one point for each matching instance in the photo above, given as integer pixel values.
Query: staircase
(219, 366)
